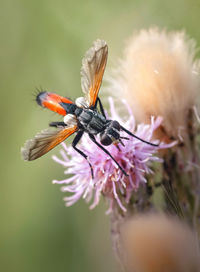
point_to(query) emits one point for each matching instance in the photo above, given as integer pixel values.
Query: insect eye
(116, 125)
(105, 139)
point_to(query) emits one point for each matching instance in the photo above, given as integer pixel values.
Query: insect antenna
(133, 135)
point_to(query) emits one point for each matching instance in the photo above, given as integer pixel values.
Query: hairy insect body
(92, 121)
(95, 123)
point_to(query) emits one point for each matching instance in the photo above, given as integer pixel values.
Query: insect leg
(75, 142)
(133, 135)
(108, 153)
(57, 124)
(101, 107)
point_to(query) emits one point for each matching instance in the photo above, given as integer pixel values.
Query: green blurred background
(42, 44)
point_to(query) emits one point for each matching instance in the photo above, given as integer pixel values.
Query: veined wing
(44, 141)
(93, 66)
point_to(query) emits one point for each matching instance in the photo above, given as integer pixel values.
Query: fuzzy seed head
(159, 77)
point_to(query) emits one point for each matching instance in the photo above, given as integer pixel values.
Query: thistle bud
(157, 243)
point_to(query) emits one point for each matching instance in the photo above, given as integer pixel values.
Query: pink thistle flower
(135, 157)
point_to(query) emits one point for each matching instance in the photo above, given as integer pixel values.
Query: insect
(82, 116)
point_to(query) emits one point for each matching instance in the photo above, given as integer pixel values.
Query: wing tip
(26, 150)
(98, 43)
(96, 46)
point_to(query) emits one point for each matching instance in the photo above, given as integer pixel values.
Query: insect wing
(44, 141)
(93, 66)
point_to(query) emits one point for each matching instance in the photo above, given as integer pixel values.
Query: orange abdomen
(53, 102)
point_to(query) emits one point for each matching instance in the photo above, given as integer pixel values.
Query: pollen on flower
(135, 157)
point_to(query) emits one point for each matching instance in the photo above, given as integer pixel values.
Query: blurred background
(42, 44)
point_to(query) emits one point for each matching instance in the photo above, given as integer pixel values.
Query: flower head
(135, 157)
(152, 242)
(159, 76)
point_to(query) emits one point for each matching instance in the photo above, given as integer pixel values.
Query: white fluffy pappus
(159, 77)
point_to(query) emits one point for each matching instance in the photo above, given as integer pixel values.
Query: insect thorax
(91, 120)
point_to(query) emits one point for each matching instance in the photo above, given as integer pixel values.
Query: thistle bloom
(135, 157)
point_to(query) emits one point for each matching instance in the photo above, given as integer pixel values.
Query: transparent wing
(44, 141)
(93, 66)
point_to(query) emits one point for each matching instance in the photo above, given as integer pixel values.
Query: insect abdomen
(53, 102)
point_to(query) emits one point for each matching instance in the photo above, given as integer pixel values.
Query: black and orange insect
(82, 116)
